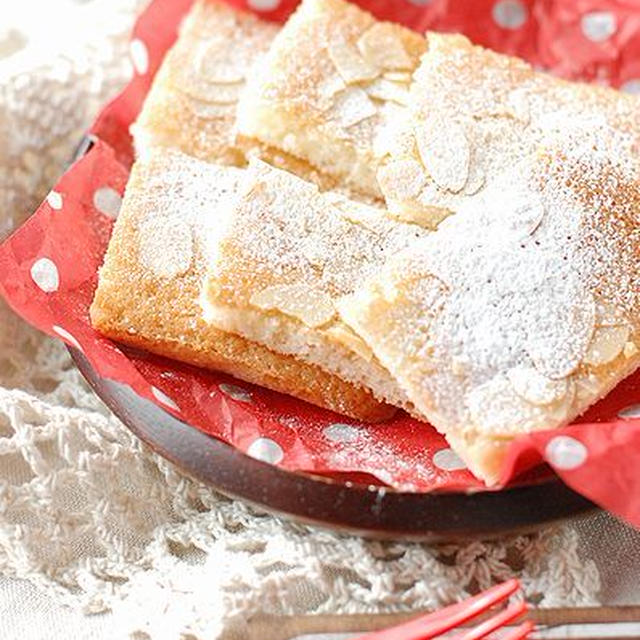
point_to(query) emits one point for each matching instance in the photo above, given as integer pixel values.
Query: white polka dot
(509, 14)
(164, 398)
(420, 3)
(263, 5)
(107, 201)
(340, 432)
(630, 412)
(139, 56)
(266, 450)
(448, 460)
(597, 26)
(45, 274)
(631, 86)
(565, 452)
(65, 335)
(55, 200)
(236, 392)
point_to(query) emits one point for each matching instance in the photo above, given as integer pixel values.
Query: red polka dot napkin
(48, 273)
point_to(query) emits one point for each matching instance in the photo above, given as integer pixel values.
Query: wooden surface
(561, 623)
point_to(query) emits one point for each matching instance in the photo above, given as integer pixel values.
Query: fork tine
(436, 623)
(520, 632)
(495, 622)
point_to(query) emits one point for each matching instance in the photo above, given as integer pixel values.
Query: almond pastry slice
(472, 114)
(191, 105)
(330, 80)
(494, 327)
(288, 252)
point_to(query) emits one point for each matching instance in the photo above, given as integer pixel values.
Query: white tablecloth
(92, 522)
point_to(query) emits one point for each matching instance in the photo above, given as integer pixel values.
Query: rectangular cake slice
(191, 105)
(523, 308)
(149, 286)
(287, 253)
(330, 80)
(473, 113)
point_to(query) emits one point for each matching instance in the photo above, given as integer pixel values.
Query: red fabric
(402, 452)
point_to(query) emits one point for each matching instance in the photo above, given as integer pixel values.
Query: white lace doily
(90, 515)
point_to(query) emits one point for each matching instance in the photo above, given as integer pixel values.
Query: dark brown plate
(361, 509)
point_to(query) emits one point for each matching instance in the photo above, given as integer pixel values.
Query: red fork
(450, 618)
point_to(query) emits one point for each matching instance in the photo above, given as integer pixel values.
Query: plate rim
(365, 510)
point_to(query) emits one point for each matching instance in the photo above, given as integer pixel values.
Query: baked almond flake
(401, 77)
(382, 47)
(445, 152)
(352, 106)
(535, 388)
(608, 316)
(386, 90)
(402, 179)
(607, 344)
(630, 349)
(216, 63)
(312, 307)
(561, 331)
(351, 66)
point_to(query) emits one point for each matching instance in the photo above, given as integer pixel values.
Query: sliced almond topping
(494, 407)
(211, 111)
(395, 138)
(424, 214)
(382, 47)
(311, 306)
(401, 179)
(213, 93)
(341, 333)
(445, 152)
(216, 62)
(560, 331)
(402, 77)
(606, 345)
(171, 256)
(476, 179)
(608, 316)
(531, 385)
(330, 86)
(630, 349)
(351, 66)
(386, 90)
(352, 106)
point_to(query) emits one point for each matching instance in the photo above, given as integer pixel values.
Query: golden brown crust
(192, 103)
(162, 314)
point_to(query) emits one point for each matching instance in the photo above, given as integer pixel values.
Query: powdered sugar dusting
(530, 268)
(186, 202)
(499, 107)
(285, 232)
